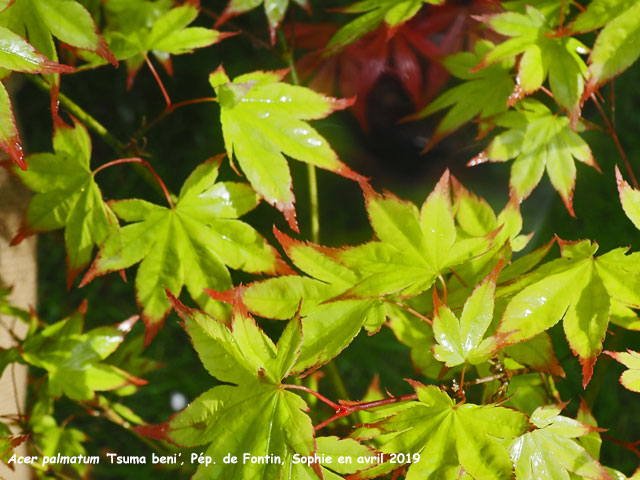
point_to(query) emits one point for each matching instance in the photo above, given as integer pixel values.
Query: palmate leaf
(191, 243)
(74, 359)
(68, 197)
(53, 439)
(138, 27)
(450, 437)
(273, 9)
(253, 413)
(617, 45)
(353, 287)
(580, 289)
(469, 100)
(262, 119)
(461, 340)
(543, 55)
(630, 378)
(538, 140)
(372, 14)
(550, 450)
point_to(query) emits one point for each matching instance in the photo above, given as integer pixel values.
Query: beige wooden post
(18, 269)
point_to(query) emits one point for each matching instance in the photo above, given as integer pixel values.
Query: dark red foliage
(411, 52)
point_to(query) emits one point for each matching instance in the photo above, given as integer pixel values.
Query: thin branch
(167, 111)
(146, 164)
(612, 131)
(414, 312)
(158, 80)
(631, 446)
(319, 396)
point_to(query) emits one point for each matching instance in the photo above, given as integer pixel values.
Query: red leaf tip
(587, 369)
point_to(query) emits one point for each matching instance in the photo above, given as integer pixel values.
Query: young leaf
(543, 55)
(629, 378)
(374, 12)
(469, 100)
(450, 436)
(538, 140)
(274, 10)
(253, 414)
(136, 28)
(73, 359)
(262, 119)
(189, 244)
(461, 341)
(578, 288)
(550, 450)
(53, 439)
(68, 197)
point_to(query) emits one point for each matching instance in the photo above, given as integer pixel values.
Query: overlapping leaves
(579, 288)
(363, 282)
(253, 413)
(617, 45)
(450, 436)
(262, 119)
(137, 27)
(538, 140)
(543, 55)
(189, 244)
(373, 13)
(630, 378)
(68, 197)
(550, 450)
(74, 359)
(469, 100)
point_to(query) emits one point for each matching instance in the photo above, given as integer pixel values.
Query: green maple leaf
(53, 439)
(449, 437)
(253, 414)
(137, 27)
(543, 56)
(550, 450)
(66, 20)
(329, 327)
(538, 140)
(190, 243)
(67, 196)
(373, 13)
(273, 9)
(73, 359)
(469, 99)
(424, 243)
(580, 289)
(616, 46)
(461, 340)
(630, 378)
(262, 119)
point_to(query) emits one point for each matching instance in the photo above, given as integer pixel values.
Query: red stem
(170, 109)
(319, 396)
(411, 310)
(146, 164)
(157, 77)
(612, 131)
